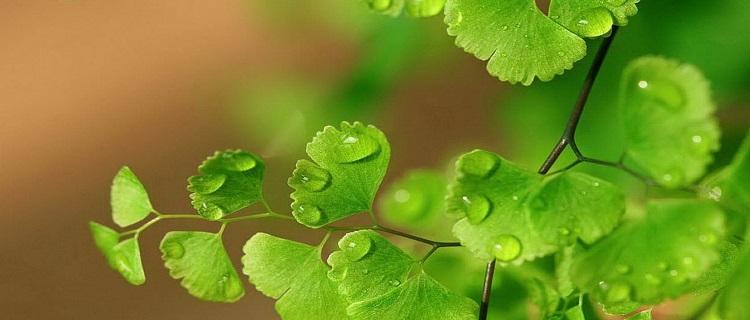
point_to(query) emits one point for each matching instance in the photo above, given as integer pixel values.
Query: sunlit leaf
(592, 18)
(667, 112)
(200, 260)
(123, 256)
(228, 181)
(655, 258)
(347, 168)
(382, 282)
(294, 274)
(520, 42)
(130, 202)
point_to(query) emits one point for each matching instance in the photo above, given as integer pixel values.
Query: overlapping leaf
(200, 260)
(520, 42)
(123, 256)
(294, 274)
(652, 259)
(228, 181)
(667, 112)
(731, 185)
(733, 300)
(592, 18)
(415, 8)
(510, 213)
(382, 282)
(347, 168)
(129, 199)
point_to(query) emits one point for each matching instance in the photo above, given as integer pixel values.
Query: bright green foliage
(200, 260)
(731, 185)
(382, 282)
(667, 112)
(129, 199)
(228, 181)
(499, 201)
(124, 257)
(733, 300)
(520, 42)
(654, 258)
(592, 18)
(347, 168)
(415, 8)
(575, 205)
(416, 199)
(544, 296)
(718, 276)
(294, 274)
(643, 315)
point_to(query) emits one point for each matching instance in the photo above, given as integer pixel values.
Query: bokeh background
(88, 86)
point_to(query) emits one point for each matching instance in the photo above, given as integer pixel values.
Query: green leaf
(382, 282)
(520, 42)
(200, 260)
(667, 112)
(349, 164)
(730, 185)
(544, 296)
(654, 258)
(575, 205)
(294, 274)
(415, 8)
(732, 304)
(416, 199)
(128, 198)
(509, 213)
(124, 257)
(719, 275)
(228, 181)
(643, 315)
(592, 18)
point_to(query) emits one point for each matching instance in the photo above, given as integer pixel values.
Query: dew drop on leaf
(308, 214)
(354, 147)
(476, 207)
(617, 292)
(207, 183)
(506, 247)
(380, 5)
(173, 250)
(311, 178)
(394, 282)
(622, 269)
(237, 161)
(356, 246)
(210, 211)
(652, 279)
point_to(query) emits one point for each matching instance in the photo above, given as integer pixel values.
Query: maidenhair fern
(561, 234)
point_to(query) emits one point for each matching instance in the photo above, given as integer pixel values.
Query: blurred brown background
(87, 86)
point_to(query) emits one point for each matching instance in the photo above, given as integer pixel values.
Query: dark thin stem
(487, 290)
(568, 136)
(437, 244)
(566, 139)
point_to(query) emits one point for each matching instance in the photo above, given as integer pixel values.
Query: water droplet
(560, 53)
(380, 5)
(308, 214)
(476, 207)
(715, 193)
(643, 84)
(365, 271)
(667, 177)
(696, 139)
(505, 28)
(526, 36)
(353, 147)
(662, 266)
(596, 184)
(394, 282)
(210, 211)
(207, 183)
(564, 231)
(478, 163)
(356, 245)
(236, 161)
(622, 269)
(555, 17)
(173, 250)
(672, 178)
(401, 195)
(618, 292)
(506, 247)
(504, 55)
(688, 261)
(515, 197)
(652, 279)
(310, 177)
(583, 22)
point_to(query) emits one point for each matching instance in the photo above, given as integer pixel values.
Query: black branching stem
(567, 139)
